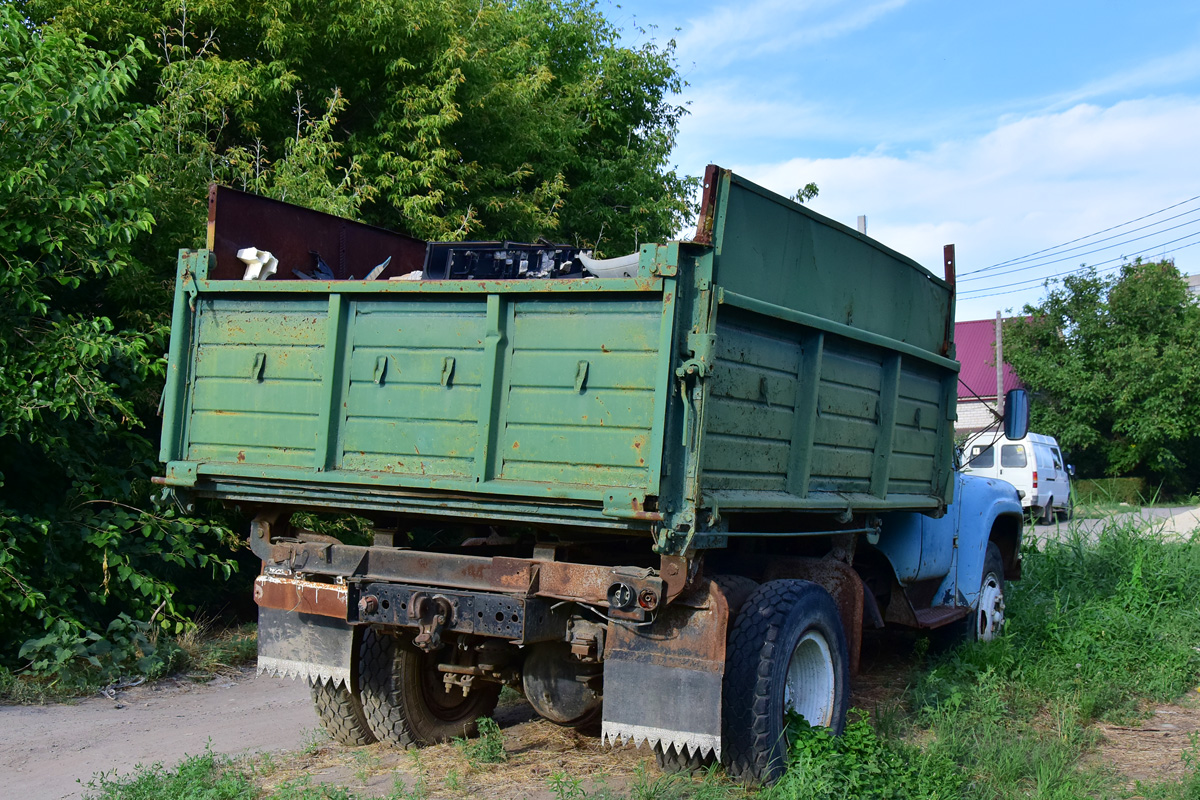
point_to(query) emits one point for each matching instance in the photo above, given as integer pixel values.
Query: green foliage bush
(487, 747)
(86, 567)
(202, 777)
(861, 764)
(461, 118)
(1099, 491)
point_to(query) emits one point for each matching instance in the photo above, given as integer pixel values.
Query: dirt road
(51, 752)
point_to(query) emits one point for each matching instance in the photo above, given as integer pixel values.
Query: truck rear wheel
(341, 713)
(679, 762)
(787, 653)
(405, 700)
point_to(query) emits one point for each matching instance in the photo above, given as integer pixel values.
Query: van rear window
(1012, 455)
(982, 456)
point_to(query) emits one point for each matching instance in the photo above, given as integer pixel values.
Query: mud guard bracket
(662, 682)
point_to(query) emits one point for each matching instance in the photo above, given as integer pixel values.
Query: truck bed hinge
(701, 363)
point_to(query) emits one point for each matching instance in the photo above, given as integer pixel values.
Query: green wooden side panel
(916, 438)
(750, 409)
(464, 390)
(579, 396)
(848, 413)
(257, 383)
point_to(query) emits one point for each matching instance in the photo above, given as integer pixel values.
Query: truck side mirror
(1016, 413)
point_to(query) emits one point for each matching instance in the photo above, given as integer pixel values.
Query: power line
(1089, 252)
(1028, 288)
(1019, 259)
(1023, 259)
(978, 294)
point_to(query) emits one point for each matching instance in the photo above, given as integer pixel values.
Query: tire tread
(393, 715)
(341, 714)
(749, 743)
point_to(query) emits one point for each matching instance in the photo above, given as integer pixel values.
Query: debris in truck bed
(500, 261)
(322, 271)
(260, 264)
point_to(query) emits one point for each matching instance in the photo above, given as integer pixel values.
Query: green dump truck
(663, 503)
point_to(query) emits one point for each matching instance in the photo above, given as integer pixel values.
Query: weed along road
(51, 752)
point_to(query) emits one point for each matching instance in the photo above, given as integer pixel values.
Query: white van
(1034, 465)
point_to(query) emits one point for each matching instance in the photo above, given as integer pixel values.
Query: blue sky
(1007, 129)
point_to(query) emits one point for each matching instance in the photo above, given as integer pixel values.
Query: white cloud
(744, 30)
(1164, 71)
(1029, 184)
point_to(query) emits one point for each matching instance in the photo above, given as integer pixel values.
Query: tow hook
(432, 614)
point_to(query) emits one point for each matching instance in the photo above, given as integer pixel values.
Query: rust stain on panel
(306, 597)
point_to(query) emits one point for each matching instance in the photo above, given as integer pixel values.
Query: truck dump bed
(780, 361)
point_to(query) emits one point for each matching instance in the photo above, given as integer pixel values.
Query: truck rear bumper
(291, 564)
(523, 620)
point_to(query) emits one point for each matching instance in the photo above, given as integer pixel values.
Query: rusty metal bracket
(665, 258)
(305, 597)
(674, 573)
(948, 259)
(523, 577)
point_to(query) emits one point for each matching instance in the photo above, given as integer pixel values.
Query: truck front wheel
(405, 699)
(989, 614)
(787, 653)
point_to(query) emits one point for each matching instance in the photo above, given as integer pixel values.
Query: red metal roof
(975, 342)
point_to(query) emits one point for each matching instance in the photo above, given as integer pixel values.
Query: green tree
(464, 119)
(1113, 363)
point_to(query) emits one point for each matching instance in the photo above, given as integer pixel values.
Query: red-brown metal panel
(238, 219)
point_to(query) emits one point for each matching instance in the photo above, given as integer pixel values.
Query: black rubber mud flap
(316, 648)
(673, 707)
(662, 682)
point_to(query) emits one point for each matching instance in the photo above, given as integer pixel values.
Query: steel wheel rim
(811, 683)
(990, 617)
(444, 705)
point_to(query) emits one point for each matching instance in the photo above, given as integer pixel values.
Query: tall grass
(1101, 624)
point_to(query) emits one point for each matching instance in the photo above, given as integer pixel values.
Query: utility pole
(999, 367)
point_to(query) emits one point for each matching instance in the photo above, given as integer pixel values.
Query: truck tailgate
(543, 390)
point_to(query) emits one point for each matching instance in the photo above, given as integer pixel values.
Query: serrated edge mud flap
(662, 682)
(309, 646)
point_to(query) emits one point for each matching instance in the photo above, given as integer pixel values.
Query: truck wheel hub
(810, 685)
(991, 608)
